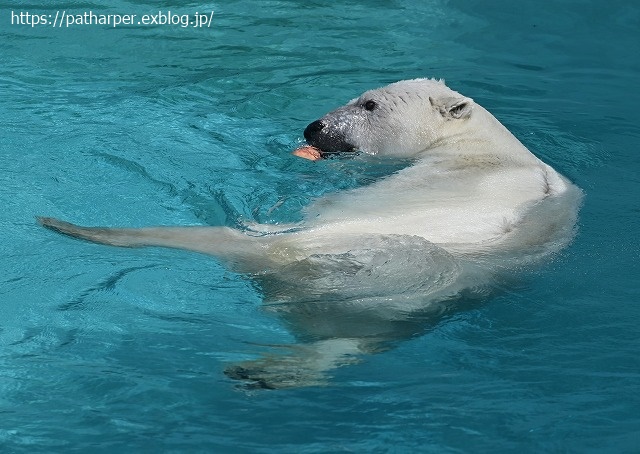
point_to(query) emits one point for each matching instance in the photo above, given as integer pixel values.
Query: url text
(65, 19)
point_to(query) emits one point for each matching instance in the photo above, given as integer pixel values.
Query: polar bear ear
(451, 107)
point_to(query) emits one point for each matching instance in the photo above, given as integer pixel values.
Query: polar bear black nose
(313, 129)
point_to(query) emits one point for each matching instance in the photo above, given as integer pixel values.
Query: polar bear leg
(223, 242)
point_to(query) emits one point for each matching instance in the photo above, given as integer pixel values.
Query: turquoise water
(106, 349)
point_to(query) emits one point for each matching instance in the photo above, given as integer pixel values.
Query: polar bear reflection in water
(377, 264)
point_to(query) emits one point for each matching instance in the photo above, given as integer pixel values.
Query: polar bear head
(401, 119)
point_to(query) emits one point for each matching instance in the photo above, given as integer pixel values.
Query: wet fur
(474, 205)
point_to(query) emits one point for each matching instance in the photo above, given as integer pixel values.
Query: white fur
(474, 202)
(471, 183)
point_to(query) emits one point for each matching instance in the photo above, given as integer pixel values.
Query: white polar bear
(473, 205)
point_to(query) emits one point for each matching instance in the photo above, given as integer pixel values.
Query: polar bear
(474, 204)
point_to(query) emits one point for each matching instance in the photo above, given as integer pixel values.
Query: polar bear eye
(370, 105)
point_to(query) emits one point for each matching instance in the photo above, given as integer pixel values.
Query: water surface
(107, 349)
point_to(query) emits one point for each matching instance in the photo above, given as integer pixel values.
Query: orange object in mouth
(308, 152)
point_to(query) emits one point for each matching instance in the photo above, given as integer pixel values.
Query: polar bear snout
(323, 136)
(313, 129)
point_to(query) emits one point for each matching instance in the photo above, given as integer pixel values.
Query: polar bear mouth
(330, 146)
(312, 151)
(315, 154)
(336, 153)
